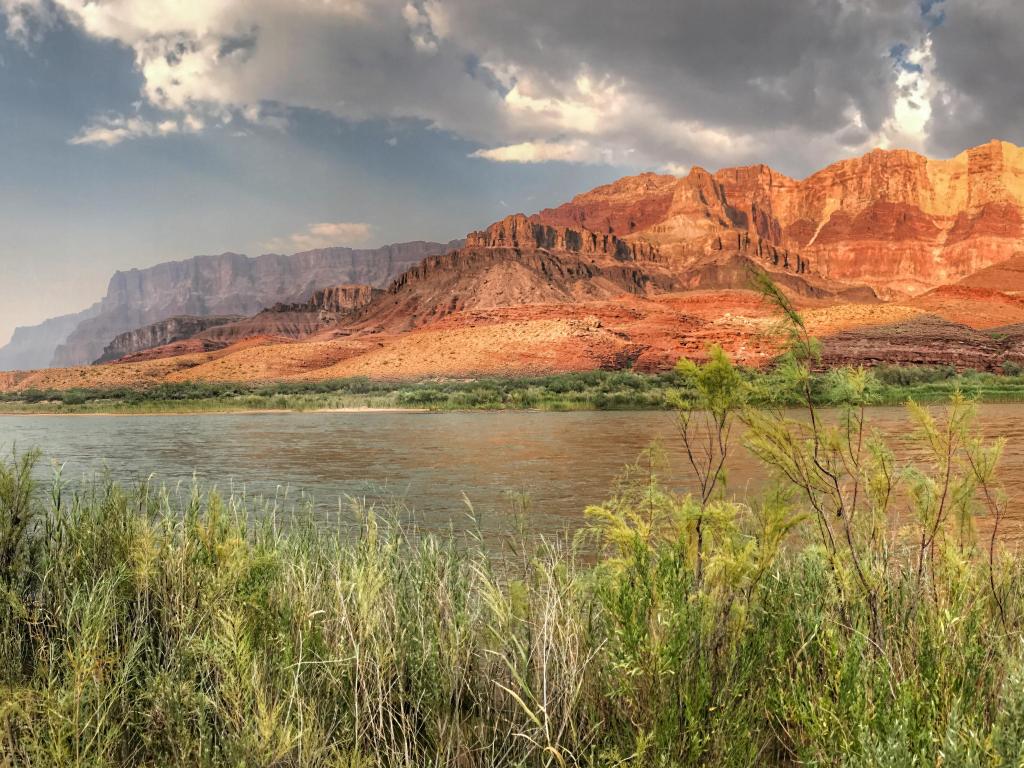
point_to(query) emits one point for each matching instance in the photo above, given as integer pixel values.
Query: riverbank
(595, 390)
(70, 412)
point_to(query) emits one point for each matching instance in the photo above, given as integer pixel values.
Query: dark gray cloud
(730, 62)
(978, 52)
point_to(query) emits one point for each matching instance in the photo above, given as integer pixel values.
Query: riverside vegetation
(147, 627)
(592, 390)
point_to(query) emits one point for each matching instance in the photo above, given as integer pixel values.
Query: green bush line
(595, 390)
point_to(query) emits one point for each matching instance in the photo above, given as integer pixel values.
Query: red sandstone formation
(162, 334)
(892, 219)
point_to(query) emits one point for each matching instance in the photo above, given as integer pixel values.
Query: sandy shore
(224, 412)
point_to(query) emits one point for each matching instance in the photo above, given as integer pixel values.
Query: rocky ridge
(160, 334)
(326, 307)
(892, 219)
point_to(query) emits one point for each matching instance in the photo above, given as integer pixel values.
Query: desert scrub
(593, 390)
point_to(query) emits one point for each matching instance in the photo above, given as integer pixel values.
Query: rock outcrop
(924, 340)
(487, 277)
(230, 284)
(341, 299)
(298, 320)
(551, 258)
(160, 334)
(525, 234)
(326, 307)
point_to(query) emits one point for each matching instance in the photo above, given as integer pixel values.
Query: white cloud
(584, 106)
(545, 152)
(323, 235)
(676, 169)
(907, 127)
(110, 130)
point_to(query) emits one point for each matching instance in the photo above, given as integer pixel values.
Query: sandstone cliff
(903, 222)
(230, 284)
(892, 219)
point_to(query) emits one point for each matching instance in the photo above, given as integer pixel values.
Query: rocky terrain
(325, 308)
(923, 340)
(893, 257)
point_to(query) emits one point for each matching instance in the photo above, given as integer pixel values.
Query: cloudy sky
(137, 131)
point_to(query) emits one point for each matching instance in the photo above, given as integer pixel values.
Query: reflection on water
(562, 461)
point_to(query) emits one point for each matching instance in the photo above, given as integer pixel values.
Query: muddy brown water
(430, 463)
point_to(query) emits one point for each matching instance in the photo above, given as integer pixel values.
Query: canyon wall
(32, 347)
(229, 284)
(892, 219)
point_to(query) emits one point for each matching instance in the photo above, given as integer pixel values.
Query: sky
(140, 131)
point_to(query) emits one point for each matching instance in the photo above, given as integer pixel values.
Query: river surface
(426, 464)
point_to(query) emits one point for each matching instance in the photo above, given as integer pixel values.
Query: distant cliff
(32, 347)
(228, 284)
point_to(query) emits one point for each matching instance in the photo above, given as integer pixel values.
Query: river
(428, 464)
